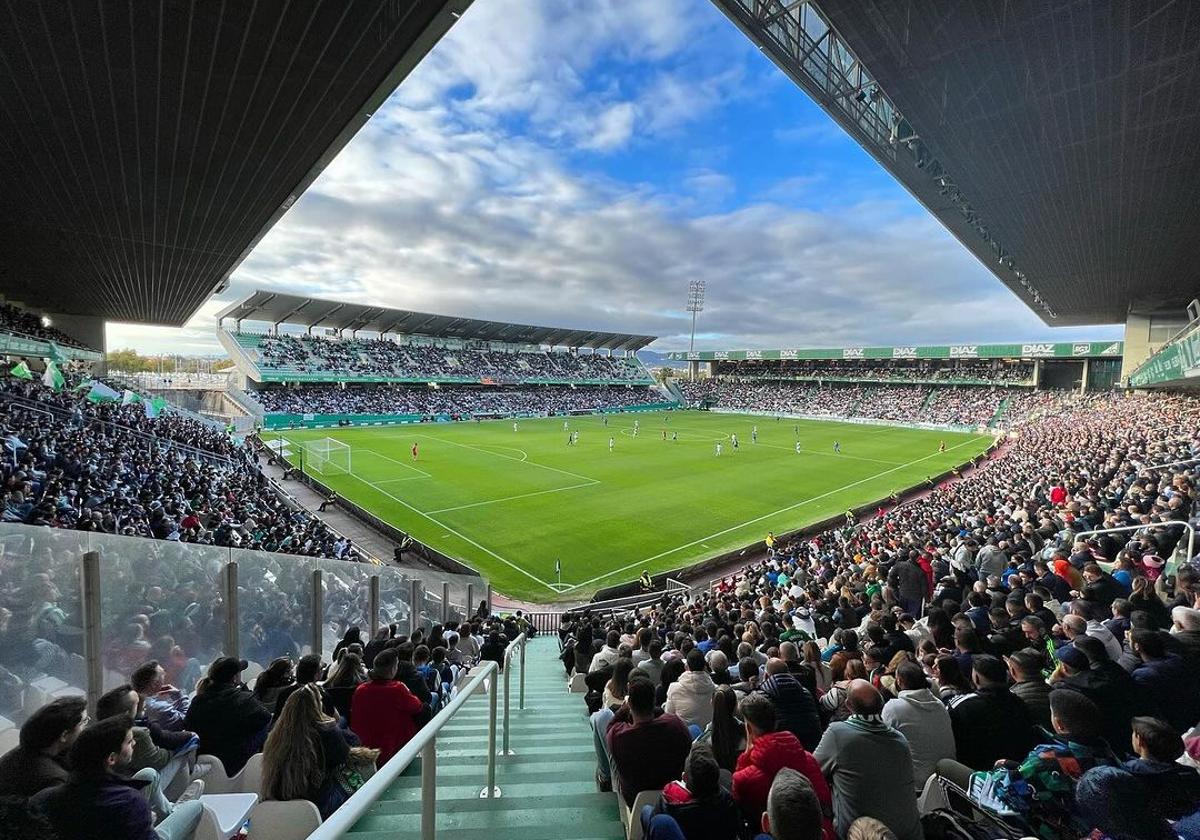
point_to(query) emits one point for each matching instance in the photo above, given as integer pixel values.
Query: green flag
(102, 393)
(55, 354)
(22, 371)
(53, 377)
(130, 397)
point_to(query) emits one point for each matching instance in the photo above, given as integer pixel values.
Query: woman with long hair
(583, 647)
(670, 673)
(951, 681)
(270, 682)
(618, 684)
(353, 637)
(941, 628)
(305, 755)
(343, 678)
(726, 734)
(811, 652)
(833, 704)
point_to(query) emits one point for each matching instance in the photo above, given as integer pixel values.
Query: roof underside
(1070, 126)
(145, 147)
(274, 308)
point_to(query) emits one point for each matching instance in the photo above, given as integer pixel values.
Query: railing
(1191, 530)
(516, 643)
(423, 744)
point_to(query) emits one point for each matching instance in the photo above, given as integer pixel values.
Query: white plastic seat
(293, 820)
(578, 684)
(631, 818)
(247, 780)
(250, 779)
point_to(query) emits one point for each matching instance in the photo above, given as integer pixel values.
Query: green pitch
(510, 503)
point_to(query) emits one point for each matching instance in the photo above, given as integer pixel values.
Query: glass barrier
(166, 601)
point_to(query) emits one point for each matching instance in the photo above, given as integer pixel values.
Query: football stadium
(859, 502)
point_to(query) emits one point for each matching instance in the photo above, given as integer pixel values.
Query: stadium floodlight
(695, 303)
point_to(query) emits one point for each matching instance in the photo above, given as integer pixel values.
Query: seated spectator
(1168, 687)
(690, 697)
(385, 712)
(701, 808)
(306, 754)
(343, 681)
(1025, 669)
(991, 723)
(1137, 799)
(230, 721)
(1084, 666)
(795, 708)
(273, 680)
(166, 755)
(793, 810)
(609, 654)
(38, 760)
(96, 804)
(648, 750)
(726, 734)
(162, 703)
(308, 672)
(870, 766)
(922, 719)
(769, 750)
(652, 665)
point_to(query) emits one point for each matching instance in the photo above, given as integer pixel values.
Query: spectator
(793, 810)
(37, 762)
(609, 654)
(701, 808)
(162, 703)
(230, 721)
(769, 750)
(385, 712)
(96, 804)
(690, 697)
(990, 723)
(1168, 687)
(1085, 667)
(922, 719)
(652, 665)
(308, 672)
(870, 766)
(795, 708)
(343, 681)
(1025, 670)
(272, 681)
(647, 750)
(306, 754)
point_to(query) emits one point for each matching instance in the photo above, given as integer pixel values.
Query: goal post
(327, 456)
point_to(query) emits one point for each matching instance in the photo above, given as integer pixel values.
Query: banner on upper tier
(1027, 350)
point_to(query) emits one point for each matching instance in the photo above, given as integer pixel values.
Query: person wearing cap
(384, 712)
(231, 722)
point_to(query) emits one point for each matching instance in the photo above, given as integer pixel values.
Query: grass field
(510, 502)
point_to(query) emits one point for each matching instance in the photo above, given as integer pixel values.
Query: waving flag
(53, 377)
(154, 407)
(130, 397)
(100, 392)
(55, 354)
(21, 371)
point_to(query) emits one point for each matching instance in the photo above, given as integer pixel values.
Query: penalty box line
(450, 530)
(773, 513)
(592, 483)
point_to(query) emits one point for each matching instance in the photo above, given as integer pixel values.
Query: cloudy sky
(548, 166)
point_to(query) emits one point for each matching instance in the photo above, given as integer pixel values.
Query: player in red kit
(414, 452)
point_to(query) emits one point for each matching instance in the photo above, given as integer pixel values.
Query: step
(547, 798)
(505, 816)
(406, 788)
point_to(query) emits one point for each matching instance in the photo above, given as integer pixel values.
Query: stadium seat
(247, 780)
(250, 779)
(224, 815)
(217, 780)
(631, 817)
(577, 684)
(293, 820)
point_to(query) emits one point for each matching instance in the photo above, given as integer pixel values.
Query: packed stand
(885, 370)
(974, 640)
(961, 405)
(183, 715)
(110, 469)
(381, 357)
(21, 322)
(454, 400)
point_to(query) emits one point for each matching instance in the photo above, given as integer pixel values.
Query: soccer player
(675, 436)
(796, 429)
(606, 421)
(941, 446)
(414, 451)
(797, 447)
(837, 447)
(718, 449)
(575, 437)
(565, 427)
(664, 434)
(611, 443)
(734, 441)
(514, 425)
(754, 435)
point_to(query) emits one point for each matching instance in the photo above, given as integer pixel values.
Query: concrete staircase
(548, 785)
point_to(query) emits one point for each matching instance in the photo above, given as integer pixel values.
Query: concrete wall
(1146, 332)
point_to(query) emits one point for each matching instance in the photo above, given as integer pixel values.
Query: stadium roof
(145, 147)
(1065, 131)
(276, 308)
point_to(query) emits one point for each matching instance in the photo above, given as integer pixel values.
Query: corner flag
(558, 569)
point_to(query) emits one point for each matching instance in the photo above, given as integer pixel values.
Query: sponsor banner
(1029, 350)
(1174, 362)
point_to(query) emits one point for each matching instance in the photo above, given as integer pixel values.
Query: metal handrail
(516, 643)
(424, 744)
(1173, 523)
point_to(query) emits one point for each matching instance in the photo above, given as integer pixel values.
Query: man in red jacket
(767, 752)
(383, 710)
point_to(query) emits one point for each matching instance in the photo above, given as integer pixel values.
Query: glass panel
(274, 607)
(160, 600)
(347, 594)
(41, 619)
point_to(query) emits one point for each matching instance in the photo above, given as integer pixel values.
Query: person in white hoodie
(922, 719)
(690, 696)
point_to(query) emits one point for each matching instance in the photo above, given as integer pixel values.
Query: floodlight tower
(695, 303)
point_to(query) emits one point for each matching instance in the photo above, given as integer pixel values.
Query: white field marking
(397, 463)
(524, 454)
(508, 457)
(406, 478)
(451, 531)
(774, 513)
(512, 498)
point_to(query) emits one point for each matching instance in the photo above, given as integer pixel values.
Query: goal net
(327, 456)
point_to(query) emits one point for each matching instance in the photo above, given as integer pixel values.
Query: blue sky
(576, 164)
